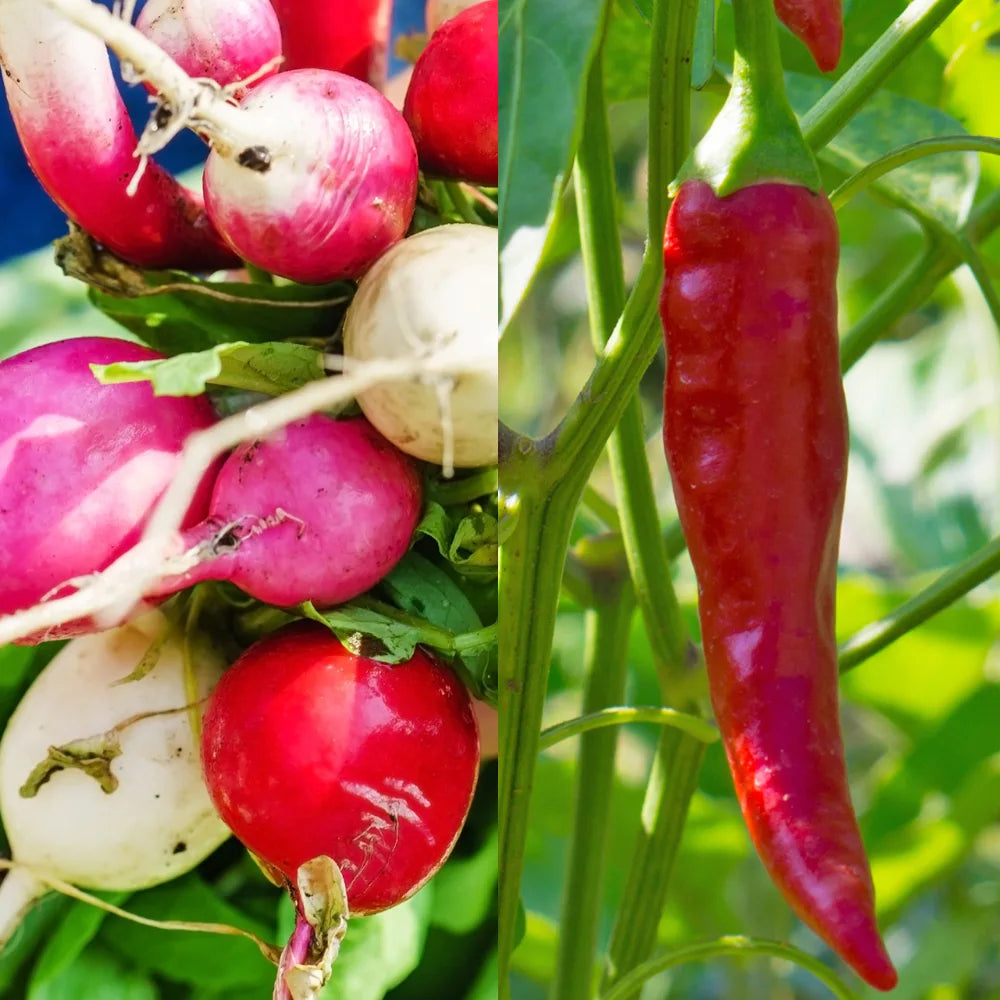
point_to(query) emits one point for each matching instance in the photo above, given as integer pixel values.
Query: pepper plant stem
(954, 583)
(531, 569)
(694, 725)
(606, 661)
(847, 96)
(605, 281)
(672, 782)
(916, 283)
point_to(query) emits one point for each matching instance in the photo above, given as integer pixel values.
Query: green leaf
(470, 542)
(176, 313)
(271, 368)
(545, 49)
(210, 960)
(626, 54)
(96, 975)
(421, 588)
(940, 188)
(465, 889)
(703, 56)
(487, 984)
(44, 915)
(368, 633)
(74, 932)
(381, 951)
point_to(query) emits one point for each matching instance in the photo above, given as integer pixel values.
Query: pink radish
(313, 177)
(451, 104)
(82, 464)
(350, 36)
(79, 141)
(226, 40)
(341, 183)
(320, 512)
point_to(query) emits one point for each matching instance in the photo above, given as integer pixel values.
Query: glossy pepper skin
(819, 24)
(755, 431)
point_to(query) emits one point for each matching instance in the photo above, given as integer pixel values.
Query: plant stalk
(606, 659)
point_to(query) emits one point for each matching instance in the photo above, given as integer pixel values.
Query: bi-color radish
(310, 750)
(79, 141)
(339, 185)
(319, 511)
(313, 177)
(228, 41)
(451, 104)
(349, 36)
(434, 292)
(82, 464)
(158, 820)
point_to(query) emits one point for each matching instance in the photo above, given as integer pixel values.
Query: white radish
(435, 292)
(158, 822)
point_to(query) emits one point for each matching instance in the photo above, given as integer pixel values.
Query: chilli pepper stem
(755, 138)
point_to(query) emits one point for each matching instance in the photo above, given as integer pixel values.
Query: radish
(312, 178)
(228, 41)
(310, 750)
(341, 183)
(82, 464)
(451, 104)
(349, 36)
(436, 12)
(320, 512)
(158, 822)
(436, 291)
(79, 141)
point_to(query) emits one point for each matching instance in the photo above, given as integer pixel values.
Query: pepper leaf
(938, 189)
(545, 48)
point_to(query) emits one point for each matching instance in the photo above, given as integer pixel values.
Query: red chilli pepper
(756, 435)
(755, 431)
(818, 24)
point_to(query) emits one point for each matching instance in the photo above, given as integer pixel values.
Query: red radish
(82, 464)
(349, 36)
(79, 141)
(341, 183)
(451, 105)
(225, 40)
(320, 512)
(309, 750)
(313, 177)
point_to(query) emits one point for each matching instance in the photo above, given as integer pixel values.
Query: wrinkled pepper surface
(818, 24)
(755, 430)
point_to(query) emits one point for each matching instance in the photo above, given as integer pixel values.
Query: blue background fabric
(29, 219)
